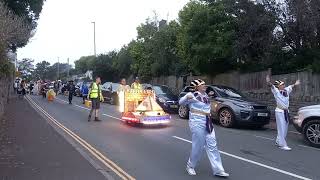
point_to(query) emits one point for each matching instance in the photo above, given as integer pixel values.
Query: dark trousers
(84, 97)
(70, 97)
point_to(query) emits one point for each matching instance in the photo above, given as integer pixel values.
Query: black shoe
(96, 119)
(89, 118)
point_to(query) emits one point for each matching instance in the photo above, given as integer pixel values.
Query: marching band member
(201, 126)
(281, 94)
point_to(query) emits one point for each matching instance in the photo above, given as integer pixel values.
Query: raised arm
(289, 88)
(268, 80)
(273, 88)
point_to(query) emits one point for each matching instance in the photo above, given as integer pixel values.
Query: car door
(106, 90)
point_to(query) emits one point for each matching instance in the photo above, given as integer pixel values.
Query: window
(227, 92)
(162, 90)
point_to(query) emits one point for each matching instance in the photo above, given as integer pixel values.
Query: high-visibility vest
(94, 92)
(136, 86)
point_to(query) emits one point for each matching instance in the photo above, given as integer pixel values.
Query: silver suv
(308, 123)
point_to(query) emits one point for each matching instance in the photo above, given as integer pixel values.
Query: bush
(6, 68)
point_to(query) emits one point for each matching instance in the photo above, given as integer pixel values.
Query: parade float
(140, 107)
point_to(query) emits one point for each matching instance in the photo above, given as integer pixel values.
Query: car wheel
(183, 112)
(226, 118)
(311, 132)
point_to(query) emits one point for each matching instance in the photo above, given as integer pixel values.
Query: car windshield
(115, 86)
(228, 92)
(162, 90)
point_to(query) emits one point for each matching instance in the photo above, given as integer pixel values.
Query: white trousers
(282, 128)
(201, 140)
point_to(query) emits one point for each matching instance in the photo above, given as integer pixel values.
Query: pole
(58, 70)
(94, 38)
(68, 68)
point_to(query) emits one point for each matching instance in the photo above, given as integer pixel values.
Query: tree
(14, 31)
(84, 64)
(206, 37)
(254, 36)
(122, 62)
(41, 70)
(30, 9)
(297, 34)
(52, 73)
(26, 68)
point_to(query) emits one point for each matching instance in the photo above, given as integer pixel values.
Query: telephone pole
(68, 68)
(94, 38)
(58, 70)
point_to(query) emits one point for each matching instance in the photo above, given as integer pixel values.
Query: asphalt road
(161, 152)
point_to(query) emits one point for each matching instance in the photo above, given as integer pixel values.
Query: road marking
(253, 162)
(262, 137)
(113, 117)
(90, 109)
(294, 132)
(97, 154)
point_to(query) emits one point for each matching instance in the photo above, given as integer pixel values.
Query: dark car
(231, 108)
(109, 92)
(165, 98)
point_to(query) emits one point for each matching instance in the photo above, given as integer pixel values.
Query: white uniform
(201, 138)
(281, 113)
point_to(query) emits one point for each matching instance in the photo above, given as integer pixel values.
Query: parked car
(146, 86)
(308, 123)
(165, 98)
(109, 92)
(231, 108)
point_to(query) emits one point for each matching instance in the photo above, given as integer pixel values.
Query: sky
(65, 29)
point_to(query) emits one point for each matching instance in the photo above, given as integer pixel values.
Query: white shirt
(282, 101)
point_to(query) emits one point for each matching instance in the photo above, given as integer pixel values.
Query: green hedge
(6, 68)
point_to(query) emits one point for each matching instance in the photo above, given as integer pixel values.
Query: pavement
(146, 152)
(31, 149)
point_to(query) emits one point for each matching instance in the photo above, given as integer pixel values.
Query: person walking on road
(95, 94)
(123, 86)
(71, 88)
(282, 93)
(84, 92)
(201, 126)
(136, 84)
(120, 91)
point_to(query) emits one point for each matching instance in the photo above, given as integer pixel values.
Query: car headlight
(244, 106)
(162, 100)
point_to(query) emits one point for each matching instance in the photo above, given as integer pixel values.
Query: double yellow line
(94, 152)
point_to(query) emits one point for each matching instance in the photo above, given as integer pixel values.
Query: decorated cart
(139, 106)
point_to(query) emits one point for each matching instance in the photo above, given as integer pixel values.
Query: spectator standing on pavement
(23, 87)
(84, 92)
(282, 93)
(201, 126)
(71, 88)
(136, 84)
(95, 95)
